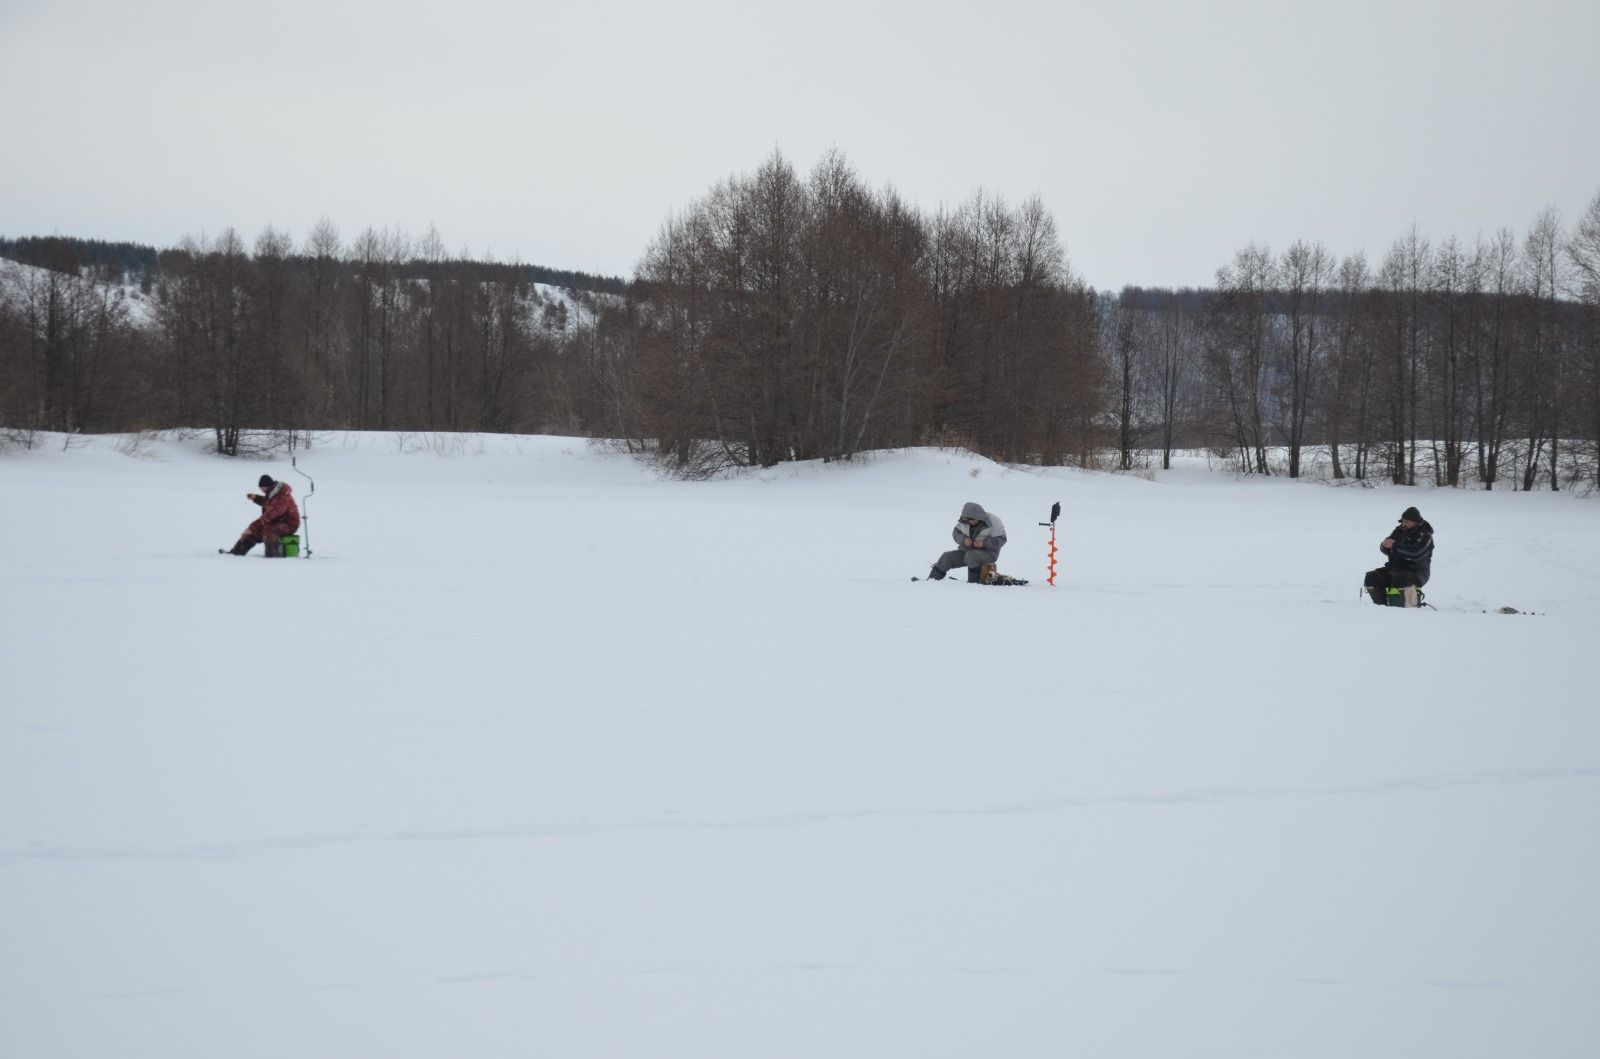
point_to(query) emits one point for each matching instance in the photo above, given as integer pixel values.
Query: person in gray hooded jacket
(979, 536)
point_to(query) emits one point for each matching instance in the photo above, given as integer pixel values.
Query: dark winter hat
(266, 481)
(1410, 514)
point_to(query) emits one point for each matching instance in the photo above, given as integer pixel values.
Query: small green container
(291, 546)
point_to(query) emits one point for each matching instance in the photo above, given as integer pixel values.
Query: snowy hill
(562, 310)
(21, 283)
(554, 310)
(542, 755)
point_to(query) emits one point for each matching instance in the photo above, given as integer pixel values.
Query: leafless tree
(864, 301)
(431, 255)
(1542, 372)
(1352, 365)
(1583, 254)
(1492, 351)
(1175, 340)
(1305, 271)
(270, 296)
(1453, 279)
(1404, 275)
(323, 345)
(1125, 341)
(1238, 352)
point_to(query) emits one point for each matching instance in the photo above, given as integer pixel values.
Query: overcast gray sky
(1162, 136)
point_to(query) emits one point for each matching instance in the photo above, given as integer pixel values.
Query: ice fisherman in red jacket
(280, 516)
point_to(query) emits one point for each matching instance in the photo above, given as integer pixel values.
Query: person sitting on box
(280, 517)
(979, 536)
(1410, 550)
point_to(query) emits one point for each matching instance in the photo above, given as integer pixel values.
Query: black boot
(974, 576)
(935, 574)
(1377, 596)
(241, 547)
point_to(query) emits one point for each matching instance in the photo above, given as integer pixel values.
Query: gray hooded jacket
(988, 531)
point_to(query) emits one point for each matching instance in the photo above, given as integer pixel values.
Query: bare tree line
(786, 316)
(384, 332)
(1451, 363)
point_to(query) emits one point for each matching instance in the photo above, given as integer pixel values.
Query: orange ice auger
(1055, 513)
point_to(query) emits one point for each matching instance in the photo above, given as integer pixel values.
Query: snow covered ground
(540, 755)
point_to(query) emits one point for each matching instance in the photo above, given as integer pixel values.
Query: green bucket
(1396, 597)
(291, 546)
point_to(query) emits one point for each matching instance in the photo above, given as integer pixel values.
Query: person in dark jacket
(280, 516)
(979, 536)
(1409, 548)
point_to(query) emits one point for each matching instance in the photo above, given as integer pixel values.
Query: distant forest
(787, 316)
(141, 266)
